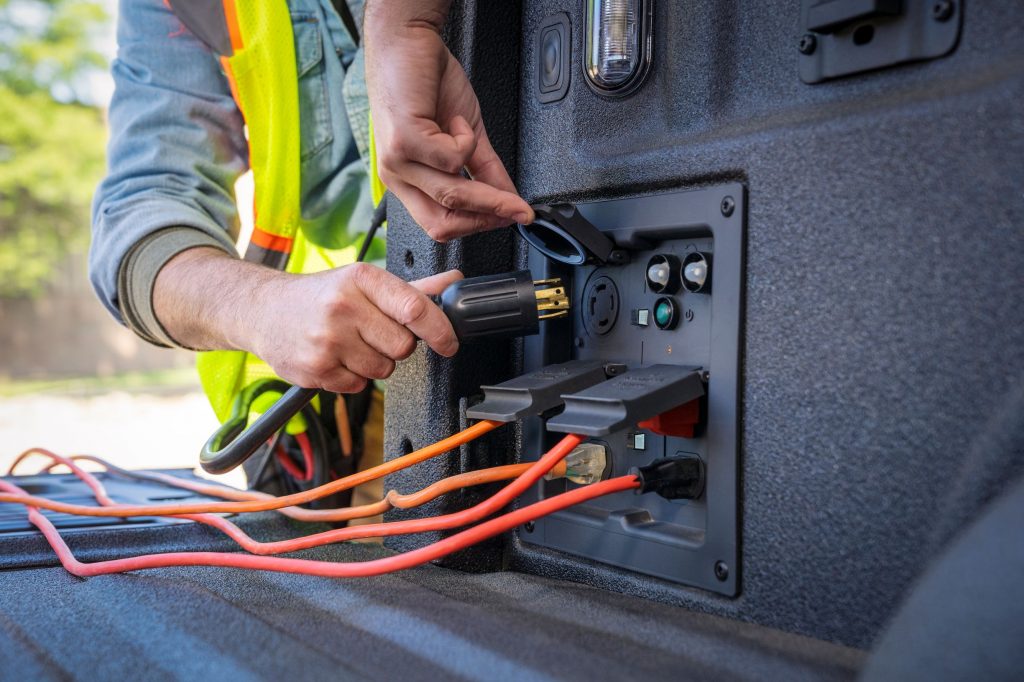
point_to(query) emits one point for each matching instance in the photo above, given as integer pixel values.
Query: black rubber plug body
(495, 306)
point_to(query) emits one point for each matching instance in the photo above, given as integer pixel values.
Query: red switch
(679, 421)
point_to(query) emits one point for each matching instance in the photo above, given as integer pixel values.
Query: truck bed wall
(883, 340)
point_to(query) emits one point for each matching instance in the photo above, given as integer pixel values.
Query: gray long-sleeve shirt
(177, 147)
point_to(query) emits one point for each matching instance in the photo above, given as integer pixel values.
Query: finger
(363, 360)
(435, 284)
(342, 380)
(388, 338)
(456, 193)
(441, 223)
(411, 308)
(423, 141)
(485, 166)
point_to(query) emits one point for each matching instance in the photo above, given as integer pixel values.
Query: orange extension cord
(393, 500)
(264, 504)
(326, 569)
(492, 505)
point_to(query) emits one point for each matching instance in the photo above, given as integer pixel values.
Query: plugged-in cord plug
(674, 478)
(585, 465)
(505, 305)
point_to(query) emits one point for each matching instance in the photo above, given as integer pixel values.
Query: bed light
(618, 52)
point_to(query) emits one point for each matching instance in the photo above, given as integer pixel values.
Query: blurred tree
(52, 136)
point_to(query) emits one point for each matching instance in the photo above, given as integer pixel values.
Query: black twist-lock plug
(506, 305)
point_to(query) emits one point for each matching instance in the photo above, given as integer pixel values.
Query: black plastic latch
(629, 398)
(538, 391)
(561, 233)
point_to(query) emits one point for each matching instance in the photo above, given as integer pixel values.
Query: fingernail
(523, 218)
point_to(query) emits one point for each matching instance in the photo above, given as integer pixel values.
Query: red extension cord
(290, 466)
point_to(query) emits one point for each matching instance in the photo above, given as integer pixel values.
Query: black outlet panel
(687, 541)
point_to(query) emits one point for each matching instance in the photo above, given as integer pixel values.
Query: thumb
(435, 284)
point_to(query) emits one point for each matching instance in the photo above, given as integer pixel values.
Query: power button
(552, 57)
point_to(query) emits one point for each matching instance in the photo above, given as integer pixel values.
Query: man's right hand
(428, 127)
(333, 330)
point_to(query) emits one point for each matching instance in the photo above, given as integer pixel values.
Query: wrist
(264, 305)
(387, 17)
(207, 299)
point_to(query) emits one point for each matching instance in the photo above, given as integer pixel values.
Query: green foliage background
(52, 138)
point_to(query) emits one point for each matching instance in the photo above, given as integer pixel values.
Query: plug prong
(551, 298)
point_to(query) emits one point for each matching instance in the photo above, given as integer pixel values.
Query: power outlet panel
(616, 319)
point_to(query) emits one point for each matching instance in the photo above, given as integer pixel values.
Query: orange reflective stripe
(231, 16)
(226, 65)
(271, 241)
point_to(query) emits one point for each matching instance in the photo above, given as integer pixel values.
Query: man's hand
(337, 329)
(427, 125)
(333, 330)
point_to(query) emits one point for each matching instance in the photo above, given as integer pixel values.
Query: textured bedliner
(427, 623)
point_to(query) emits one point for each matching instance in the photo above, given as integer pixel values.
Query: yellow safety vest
(260, 67)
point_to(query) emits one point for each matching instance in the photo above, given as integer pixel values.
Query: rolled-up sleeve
(177, 146)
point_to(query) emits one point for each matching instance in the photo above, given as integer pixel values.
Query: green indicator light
(663, 313)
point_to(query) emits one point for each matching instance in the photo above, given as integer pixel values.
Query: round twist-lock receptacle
(600, 305)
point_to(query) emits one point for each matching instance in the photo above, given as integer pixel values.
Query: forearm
(206, 299)
(177, 146)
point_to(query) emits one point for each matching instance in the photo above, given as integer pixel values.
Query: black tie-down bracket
(842, 37)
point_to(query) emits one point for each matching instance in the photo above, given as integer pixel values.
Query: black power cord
(342, 8)
(380, 214)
